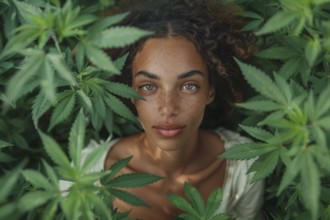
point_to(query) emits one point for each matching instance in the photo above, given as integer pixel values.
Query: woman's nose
(168, 104)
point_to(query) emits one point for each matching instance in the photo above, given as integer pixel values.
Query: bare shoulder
(125, 147)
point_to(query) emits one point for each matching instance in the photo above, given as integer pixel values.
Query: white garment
(241, 199)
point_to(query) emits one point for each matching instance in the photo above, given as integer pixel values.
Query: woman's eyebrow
(147, 74)
(191, 73)
(181, 76)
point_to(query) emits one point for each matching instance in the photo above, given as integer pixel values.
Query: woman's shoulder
(236, 169)
(230, 137)
(122, 148)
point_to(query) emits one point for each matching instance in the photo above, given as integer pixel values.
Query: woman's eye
(190, 87)
(147, 87)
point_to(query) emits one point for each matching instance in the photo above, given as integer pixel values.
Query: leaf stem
(57, 45)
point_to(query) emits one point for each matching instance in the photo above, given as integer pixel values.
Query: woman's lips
(168, 131)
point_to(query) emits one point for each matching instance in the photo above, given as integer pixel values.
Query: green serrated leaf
(100, 59)
(109, 121)
(310, 180)
(47, 81)
(322, 157)
(213, 202)
(16, 84)
(291, 172)
(264, 165)
(320, 138)
(284, 87)
(122, 90)
(115, 168)
(80, 56)
(195, 198)
(324, 122)
(5, 66)
(71, 206)
(7, 183)
(259, 105)
(38, 180)
(272, 117)
(247, 151)
(323, 103)
(94, 156)
(63, 109)
(184, 205)
(20, 41)
(96, 120)
(6, 158)
(276, 52)
(310, 106)
(85, 101)
(132, 180)
(101, 208)
(27, 10)
(61, 68)
(28, 87)
(48, 213)
(290, 67)
(221, 217)
(278, 21)
(97, 27)
(119, 36)
(77, 138)
(261, 82)
(78, 22)
(4, 144)
(257, 133)
(50, 173)
(7, 210)
(87, 211)
(252, 25)
(128, 197)
(99, 106)
(120, 62)
(312, 51)
(90, 178)
(39, 107)
(119, 108)
(184, 216)
(94, 86)
(32, 200)
(297, 89)
(54, 151)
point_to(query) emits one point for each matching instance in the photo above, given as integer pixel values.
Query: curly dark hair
(210, 25)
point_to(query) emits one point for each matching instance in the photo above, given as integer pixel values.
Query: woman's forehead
(169, 52)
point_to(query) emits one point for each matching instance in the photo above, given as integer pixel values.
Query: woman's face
(172, 76)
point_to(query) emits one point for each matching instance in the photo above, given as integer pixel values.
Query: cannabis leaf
(194, 207)
(114, 182)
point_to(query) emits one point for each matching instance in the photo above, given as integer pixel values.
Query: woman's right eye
(147, 87)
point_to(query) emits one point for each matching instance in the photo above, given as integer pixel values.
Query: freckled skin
(170, 103)
(173, 78)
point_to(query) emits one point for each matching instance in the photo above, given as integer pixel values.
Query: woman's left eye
(190, 86)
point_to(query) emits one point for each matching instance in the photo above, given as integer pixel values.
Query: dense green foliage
(56, 94)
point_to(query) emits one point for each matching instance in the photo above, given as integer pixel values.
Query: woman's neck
(172, 162)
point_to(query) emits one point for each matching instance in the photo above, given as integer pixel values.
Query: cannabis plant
(56, 75)
(289, 115)
(57, 94)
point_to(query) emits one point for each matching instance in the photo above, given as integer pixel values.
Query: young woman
(175, 70)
